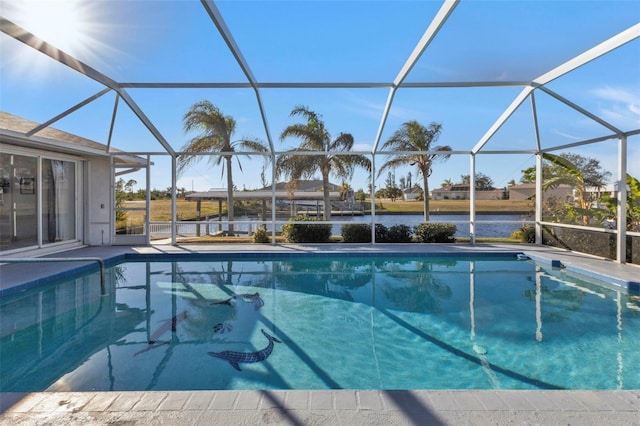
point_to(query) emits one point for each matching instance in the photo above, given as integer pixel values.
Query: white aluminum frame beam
(17, 32)
(536, 128)
(67, 112)
(605, 47)
(582, 111)
(575, 144)
(472, 198)
(145, 120)
(538, 212)
(595, 52)
(621, 219)
(515, 104)
(226, 34)
(436, 24)
(320, 85)
(113, 120)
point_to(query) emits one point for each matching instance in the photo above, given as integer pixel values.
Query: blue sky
(332, 41)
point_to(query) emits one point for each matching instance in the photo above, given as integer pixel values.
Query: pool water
(322, 323)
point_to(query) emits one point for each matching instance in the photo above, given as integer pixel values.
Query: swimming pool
(374, 322)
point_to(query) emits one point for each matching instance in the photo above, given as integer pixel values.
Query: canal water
(504, 226)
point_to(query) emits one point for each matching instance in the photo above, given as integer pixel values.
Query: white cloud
(365, 108)
(567, 135)
(370, 109)
(616, 95)
(618, 105)
(362, 147)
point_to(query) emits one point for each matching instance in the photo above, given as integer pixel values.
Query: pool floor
(400, 321)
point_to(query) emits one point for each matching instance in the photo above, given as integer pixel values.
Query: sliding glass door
(58, 201)
(18, 201)
(38, 200)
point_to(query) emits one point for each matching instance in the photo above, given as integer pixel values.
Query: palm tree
(413, 136)
(315, 138)
(215, 132)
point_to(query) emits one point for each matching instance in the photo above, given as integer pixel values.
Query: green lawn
(186, 210)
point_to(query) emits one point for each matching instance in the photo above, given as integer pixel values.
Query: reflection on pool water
(322, 323)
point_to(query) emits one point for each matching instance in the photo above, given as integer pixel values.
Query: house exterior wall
(519, 193)
(87, 212)
(464, 195)
(410, 194)
(99, 205)
(527, 191)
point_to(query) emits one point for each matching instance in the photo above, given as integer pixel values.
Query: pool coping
(611, 274)
(338, 407)
(330, 407)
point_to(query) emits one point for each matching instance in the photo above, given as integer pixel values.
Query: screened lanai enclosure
(326, 109)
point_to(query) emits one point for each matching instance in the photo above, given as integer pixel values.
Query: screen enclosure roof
(500, 76)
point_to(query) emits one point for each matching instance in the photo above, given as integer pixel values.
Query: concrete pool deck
(334, 407)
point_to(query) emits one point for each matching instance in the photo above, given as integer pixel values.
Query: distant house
(462, 192)
(313, 185)
(594, 194)
(527, 191)
(303, 192)
(411, 194)
(599, 191)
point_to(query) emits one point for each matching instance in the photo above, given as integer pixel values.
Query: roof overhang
(262, 195)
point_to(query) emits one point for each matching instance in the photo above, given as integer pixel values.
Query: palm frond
(344, 142)
(565, 164)
(556, 181)
(394, 162)
(296, 166)
(304, 111)
(359, 161)
(255, 145)
(440, 157)
(634, 186)
(316, 138)
(413, 136)
(311, 139)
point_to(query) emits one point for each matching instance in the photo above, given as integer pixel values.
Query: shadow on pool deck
(345, 407)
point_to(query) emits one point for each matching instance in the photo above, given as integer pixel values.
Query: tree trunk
(425, 184)
(230, 215)
(326, 215)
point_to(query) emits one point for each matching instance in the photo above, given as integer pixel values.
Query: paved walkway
(327, 408)
(340, 407)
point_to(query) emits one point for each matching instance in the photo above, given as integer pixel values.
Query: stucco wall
(527, 191)
(98, 205)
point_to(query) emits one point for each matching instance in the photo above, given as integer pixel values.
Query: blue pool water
(321, 323)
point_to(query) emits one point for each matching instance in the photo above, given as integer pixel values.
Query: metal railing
(61, 259)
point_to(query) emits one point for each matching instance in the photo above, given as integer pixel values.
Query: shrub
(356, 233)
(399, 234)
(435, 233)
(261, 235)
(361, 233)
(306, 232)
(526, 234)
(381, 233)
